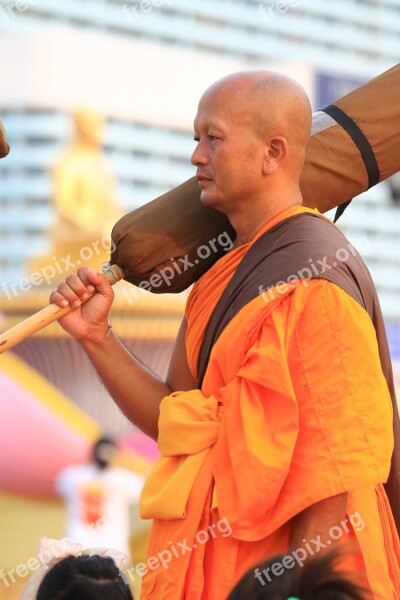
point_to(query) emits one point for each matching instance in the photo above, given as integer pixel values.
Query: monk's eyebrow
(208, 125)
(216, 126)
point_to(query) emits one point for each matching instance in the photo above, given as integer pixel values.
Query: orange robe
(294, 409)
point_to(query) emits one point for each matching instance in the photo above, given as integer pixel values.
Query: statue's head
(89, 126)
(4, 147)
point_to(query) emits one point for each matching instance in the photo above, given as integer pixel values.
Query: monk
(285, 443)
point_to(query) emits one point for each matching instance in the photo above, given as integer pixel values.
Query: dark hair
(98, 455)
(317, 579)
(84, 577)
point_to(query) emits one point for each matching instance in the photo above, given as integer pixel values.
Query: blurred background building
(144, 65)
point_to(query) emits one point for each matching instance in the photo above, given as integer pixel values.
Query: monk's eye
(212, 138)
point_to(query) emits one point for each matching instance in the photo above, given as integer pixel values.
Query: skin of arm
(314, 522)
(135, 389)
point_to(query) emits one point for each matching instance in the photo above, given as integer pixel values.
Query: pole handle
(49, 314)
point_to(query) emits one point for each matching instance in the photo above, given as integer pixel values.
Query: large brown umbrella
(354, 145)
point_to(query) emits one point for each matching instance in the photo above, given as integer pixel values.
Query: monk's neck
(249, 221)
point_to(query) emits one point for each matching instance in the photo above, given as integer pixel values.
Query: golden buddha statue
(85, 200)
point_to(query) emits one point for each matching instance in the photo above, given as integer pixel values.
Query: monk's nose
(199, 157)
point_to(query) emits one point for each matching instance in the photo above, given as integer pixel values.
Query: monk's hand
(90, 295)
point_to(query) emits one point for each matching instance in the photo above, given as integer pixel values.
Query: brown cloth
(339, 165)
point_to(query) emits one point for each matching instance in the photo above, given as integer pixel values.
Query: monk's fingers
(95, 281)
(85, 274)
(73, 291)
(92, 279)
(58, 298)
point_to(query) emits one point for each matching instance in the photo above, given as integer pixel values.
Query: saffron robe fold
(269, 435)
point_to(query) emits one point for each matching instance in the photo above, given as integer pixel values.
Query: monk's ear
(275, 151)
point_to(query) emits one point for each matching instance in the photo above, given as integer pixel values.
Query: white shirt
(98, 504)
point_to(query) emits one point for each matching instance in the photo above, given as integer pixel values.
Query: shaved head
(268, 102)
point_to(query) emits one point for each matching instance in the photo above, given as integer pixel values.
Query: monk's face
(228, 155)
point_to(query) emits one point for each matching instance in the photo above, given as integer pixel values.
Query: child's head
(84, 577)
(317, 579)
(103, 452)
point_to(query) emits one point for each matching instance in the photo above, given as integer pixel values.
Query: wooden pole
(48, 315)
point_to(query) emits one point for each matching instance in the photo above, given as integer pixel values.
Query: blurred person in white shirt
(98, 499)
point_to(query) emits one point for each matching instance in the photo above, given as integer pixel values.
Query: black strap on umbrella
(362, 144)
